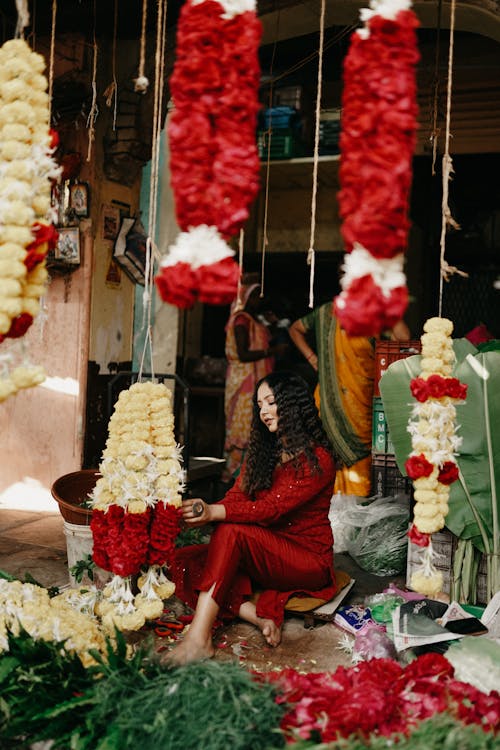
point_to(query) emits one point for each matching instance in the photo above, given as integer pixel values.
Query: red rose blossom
(418, 537)
(177, 285)
(448, 473)
(418, 466)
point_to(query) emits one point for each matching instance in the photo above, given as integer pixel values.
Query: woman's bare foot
(270, 631)
(268, 628)
(189, 650)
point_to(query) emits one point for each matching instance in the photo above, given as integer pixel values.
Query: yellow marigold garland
(431, 464)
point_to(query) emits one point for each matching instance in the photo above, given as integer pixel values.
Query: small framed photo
(79, 198)
(111, 220)
(68, 245)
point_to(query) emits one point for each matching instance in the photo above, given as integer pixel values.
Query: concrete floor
(33, 541)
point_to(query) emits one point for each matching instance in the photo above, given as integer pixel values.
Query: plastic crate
(444, 544)
(387, 480)
(387, 352)
(284, 144)
(381, 441)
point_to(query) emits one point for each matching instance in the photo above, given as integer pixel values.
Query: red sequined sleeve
(289, 491)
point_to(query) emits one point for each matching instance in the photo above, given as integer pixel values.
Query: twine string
(52, 56)
(94, 108)
(268, 131)
(435, 105)
(446, 218)
(151, 249)
(23, 17)
(311, 252)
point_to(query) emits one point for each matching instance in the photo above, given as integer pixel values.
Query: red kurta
(279, 543)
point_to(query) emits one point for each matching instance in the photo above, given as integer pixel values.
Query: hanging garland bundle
(431, 464)
(377, 141)
(26, 171)
(214, 160)
(136, 502)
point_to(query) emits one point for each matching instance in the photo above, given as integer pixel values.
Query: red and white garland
(431, 464)
(377, 141)
(214, 160)
(136, 502)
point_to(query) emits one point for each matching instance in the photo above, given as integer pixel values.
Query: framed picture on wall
(110, 222)
(68, 245)
(79, 198)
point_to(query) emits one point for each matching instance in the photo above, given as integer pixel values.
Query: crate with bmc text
(444, 545)
(381, 440)
(387, 352)
(387, 480)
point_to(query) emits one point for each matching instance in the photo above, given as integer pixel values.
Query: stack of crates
(387, 480)
(280, 126)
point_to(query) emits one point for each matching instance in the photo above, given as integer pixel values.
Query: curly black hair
(299, 431)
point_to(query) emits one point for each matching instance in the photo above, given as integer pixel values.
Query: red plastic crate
(387, 352)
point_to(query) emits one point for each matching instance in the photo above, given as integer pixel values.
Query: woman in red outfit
(272, 531)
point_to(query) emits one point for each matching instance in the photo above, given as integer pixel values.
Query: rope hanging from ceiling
(447, 219)
(151, 244)
(94, 110)
(311, 256)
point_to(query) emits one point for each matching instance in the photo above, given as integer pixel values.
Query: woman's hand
(196, 512)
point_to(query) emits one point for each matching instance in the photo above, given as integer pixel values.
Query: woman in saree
(249, 356)
(346, 370)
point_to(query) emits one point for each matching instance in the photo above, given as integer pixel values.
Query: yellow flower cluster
(24, 376)
(30, 607)
(26, 168)
(141, 462)
(119, 608)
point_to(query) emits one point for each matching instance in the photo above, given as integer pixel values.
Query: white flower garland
(141, 464)
(26, 171)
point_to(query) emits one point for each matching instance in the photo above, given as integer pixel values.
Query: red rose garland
(214, 160)
(377, 141)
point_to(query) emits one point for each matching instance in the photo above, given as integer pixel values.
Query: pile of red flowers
(379, 697)
(379, 120)
(214, 160)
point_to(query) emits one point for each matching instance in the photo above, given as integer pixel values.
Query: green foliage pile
(124, 703)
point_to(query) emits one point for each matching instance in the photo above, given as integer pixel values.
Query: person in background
(249, 354)
(346, 370)
(272, 533)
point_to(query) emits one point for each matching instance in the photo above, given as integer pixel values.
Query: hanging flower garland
(26, 171)
(377, 141)
(136, 517)
(214, 160)
(431, 464)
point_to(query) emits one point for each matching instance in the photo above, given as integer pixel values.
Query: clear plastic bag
(341, 507)
(377, 535)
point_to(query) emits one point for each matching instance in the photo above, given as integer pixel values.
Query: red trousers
(242, 559)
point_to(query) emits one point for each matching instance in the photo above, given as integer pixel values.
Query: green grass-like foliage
(124, 703)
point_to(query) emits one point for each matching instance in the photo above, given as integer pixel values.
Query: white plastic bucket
(79, 544)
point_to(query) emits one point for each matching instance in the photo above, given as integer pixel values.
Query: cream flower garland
(431, 464)
(61, 618)
(26, 171)
(141, 471)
